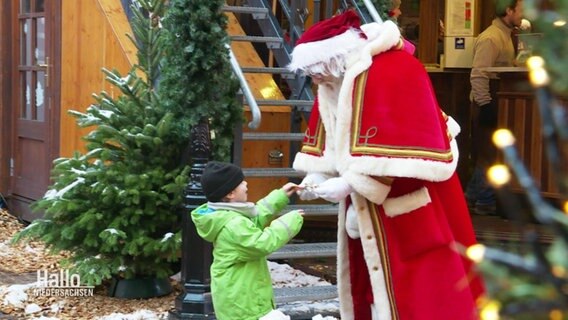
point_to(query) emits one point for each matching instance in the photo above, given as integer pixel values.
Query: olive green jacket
(243, 235)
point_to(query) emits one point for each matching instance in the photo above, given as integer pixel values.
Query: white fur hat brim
(324, 51)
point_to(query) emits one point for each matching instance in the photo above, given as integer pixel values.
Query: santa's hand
(306, 190)
(334, 189)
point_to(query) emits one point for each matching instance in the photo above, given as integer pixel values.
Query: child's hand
(290, 188)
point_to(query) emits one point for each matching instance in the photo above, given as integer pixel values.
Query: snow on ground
(282, 274)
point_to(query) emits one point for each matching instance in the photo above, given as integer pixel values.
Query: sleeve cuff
(368, 187)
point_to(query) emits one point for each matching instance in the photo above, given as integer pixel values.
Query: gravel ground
(18, 266)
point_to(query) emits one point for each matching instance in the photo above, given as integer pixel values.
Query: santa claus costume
(380, 134)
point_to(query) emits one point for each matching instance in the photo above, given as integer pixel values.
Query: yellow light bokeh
(539, 77)
(490, 311)
(503, 138)
(499, 175)
(559, 23)
(535, 62)
(556, 315)
(475, 252)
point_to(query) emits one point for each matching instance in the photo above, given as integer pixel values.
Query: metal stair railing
(271, 29)
(256, 115)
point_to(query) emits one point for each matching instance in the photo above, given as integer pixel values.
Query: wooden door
(33, 109)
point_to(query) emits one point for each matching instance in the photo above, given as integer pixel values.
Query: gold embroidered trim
(380, 237)
(314, 143)
(358, 147)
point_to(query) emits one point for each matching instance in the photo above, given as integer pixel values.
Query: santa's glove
(334, 189)
(306, 192)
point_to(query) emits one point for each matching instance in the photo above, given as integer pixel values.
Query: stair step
(308, 309)
(275, 42)
(265, 102)
(266, 70)
(305, 250)
(283, 295)
(244, 9)
(273, 136)
(272, 172)
(283, 72)
(314, 209)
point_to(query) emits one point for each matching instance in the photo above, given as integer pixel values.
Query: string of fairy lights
(537, 264)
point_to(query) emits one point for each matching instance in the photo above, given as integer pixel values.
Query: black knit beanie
(219, 179)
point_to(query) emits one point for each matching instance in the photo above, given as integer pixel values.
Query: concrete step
(305, 250)
(306, 310)
(313, 293)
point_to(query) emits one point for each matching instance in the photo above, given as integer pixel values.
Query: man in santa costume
(378, 144)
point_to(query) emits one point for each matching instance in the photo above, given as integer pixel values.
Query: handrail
(254, 109)
(373, 11)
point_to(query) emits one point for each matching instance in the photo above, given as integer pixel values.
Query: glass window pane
(26, 42)
(25, 6)
(39, 6)
(39, 96)
(25, 94)
(40, 41)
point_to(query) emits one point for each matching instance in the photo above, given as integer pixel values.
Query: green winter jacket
(241, 286)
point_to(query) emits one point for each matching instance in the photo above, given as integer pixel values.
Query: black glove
(488, 115)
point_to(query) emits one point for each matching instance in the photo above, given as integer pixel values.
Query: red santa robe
(385, 134)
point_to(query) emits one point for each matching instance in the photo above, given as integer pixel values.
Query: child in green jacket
(243, 235)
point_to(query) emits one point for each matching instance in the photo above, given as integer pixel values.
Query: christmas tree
(197, 79)
(533, 283)
(115, 207)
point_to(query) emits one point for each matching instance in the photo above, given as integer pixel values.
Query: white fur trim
(309, 163)
(372, 259)
(351, 225)
(374, 313)
(343, 277)
(367, 186)
(323, 51)
(404, 167)
(406, 203)
(453, 127)
(381, 37)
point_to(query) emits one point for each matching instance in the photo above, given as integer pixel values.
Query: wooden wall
(452, 89)
(93, 38)
(5, 88)
(519, 112)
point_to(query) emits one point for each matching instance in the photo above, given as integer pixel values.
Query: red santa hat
(327, 40)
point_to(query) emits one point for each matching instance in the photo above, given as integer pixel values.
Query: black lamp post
(195, 300)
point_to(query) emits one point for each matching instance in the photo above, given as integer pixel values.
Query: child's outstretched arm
(273, 203)
(250, 243)
(290, 188)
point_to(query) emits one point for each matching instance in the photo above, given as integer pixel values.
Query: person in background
(243, 235)
(395, 11)
(379, 145)
(493, 48)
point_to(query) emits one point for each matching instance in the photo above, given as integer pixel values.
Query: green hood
(210, 222)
